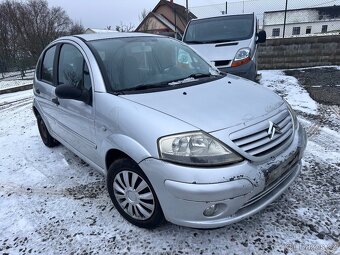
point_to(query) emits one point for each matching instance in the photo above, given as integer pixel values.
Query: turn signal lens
(242, 57)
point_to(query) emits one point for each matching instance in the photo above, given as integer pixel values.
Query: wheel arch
(112, 155)
(119, 146)
(35, 111)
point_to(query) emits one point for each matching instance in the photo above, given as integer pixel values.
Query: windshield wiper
(222, 41)
(144, 87)
(164, 84)
(199, 75)
(194, 76)
(212, 41)
(195, 42)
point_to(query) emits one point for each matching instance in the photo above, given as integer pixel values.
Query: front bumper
(239, 190)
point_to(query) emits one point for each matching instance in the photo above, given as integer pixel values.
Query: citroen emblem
(273, 129)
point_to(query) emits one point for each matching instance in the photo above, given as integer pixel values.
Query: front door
(75, 121)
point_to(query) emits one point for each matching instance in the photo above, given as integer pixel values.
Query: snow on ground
(14, 83)
(51, 202)
(289, 88)
(16, 74)
(14, 79)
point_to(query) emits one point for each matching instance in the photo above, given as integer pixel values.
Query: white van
(228, 41)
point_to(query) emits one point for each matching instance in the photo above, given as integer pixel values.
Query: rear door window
(47, 65)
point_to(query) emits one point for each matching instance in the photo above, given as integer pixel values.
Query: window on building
(308, 30)
(296, 30)
(276, 32)
(324, 29)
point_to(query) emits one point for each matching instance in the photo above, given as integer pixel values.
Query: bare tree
(27, 27)
(146, 22)
(76, 29)
(124, 27)
(8, 42)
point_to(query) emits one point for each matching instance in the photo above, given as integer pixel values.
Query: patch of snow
(288, 87)
(13, 97)
(14, 83)
(315, 67)
(322, 153)
(17, 74)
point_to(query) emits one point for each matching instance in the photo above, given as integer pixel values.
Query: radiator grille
(255, 139)
(221, 63)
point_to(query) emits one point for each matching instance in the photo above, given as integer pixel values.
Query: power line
(315, 5)
(224, 3)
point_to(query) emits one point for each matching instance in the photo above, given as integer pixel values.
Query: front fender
(126, 145)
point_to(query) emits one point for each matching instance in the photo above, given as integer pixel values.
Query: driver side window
(72, 68)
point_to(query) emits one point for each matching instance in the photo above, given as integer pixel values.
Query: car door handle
(37, 91)
(55, 100)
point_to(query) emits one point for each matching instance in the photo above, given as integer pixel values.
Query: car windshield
(146, 62)
(220, 29)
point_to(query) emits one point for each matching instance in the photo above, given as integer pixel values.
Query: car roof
(109, 35)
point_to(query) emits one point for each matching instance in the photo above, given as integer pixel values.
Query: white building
(302, 22)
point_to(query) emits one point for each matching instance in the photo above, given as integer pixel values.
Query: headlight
(195, 148)
(242, 57)
(293, 114)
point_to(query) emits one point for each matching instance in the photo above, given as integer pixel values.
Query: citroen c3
(176, 139)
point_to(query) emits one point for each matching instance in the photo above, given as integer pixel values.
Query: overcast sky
(103, 13)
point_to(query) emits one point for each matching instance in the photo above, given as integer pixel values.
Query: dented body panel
(184, 192)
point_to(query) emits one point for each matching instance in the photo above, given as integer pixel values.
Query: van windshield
(220, 29)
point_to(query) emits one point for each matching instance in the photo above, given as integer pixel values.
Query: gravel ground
(323, 84)
(53, 203)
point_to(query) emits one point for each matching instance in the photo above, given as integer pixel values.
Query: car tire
(132, 194)
(47, 139)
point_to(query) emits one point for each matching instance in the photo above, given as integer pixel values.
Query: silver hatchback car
(176, 139)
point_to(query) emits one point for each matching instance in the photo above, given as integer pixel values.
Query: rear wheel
(132, 194)
(47, 139)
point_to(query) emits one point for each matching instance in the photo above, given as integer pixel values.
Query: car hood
(213, 105)
(220, 51)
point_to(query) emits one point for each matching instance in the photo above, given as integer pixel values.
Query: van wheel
(47, 139)
(132, 194)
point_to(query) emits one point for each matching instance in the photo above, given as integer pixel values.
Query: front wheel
(132, 194)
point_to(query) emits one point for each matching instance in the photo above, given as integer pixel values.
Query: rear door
(44, 87)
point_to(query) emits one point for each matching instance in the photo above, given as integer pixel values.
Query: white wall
(316, 28)
(298, 18)
(292, 17)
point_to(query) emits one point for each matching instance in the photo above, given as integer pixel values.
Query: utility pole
(187, 5)
(226, 7)
(284, 22)
(174, 10)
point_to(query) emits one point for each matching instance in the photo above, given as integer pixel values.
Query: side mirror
(65, 91)
(261, 36)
